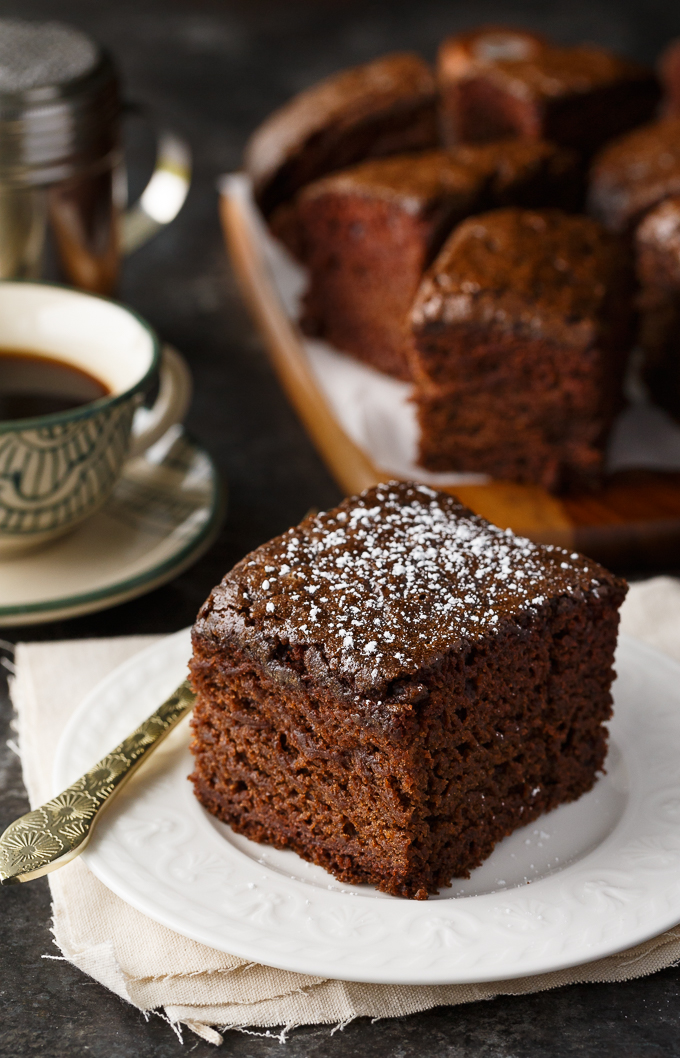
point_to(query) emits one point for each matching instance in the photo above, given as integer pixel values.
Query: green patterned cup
(57, 470)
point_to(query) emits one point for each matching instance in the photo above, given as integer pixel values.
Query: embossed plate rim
(149, 851)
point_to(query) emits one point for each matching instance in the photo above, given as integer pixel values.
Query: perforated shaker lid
(38, 54)
(59, 103)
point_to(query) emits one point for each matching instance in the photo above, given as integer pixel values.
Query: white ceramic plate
(587, 880)
(163, 514)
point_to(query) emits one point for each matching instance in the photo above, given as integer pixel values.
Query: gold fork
(52, 835)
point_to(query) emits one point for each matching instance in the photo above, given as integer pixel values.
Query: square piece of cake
(383, 107)
(368, 233)
(657, 245)
(496, 83)
(521, 333)
(634, 174)
(394, 685)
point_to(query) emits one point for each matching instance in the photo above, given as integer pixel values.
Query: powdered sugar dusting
(395, 577)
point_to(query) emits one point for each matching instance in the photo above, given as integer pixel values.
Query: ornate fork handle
(58, 831)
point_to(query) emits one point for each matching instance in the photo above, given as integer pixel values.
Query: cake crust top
(552, 72)
(412, 180)
(464, 52)
(635, 172)
(464, 171)
(509, 162)
(341, 100)
(389, 581)
(538, 273)
(660, 230)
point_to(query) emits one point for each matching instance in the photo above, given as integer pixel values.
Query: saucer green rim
(86, 411)
(132, 587)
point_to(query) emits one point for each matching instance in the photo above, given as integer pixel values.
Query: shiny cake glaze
(380, 108)
(521, 332)
(635, 173)
(576, 96)
(368, 232)
(465, 53)
(657, 249)
(537, 273)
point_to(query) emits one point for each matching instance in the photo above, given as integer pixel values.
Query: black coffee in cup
(32, 385)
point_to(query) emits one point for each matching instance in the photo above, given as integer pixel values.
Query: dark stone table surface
(213, 69)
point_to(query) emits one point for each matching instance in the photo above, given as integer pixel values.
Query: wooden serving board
(632, 524)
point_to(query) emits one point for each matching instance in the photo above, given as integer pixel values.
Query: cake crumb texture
(521, 333)
(394, 685)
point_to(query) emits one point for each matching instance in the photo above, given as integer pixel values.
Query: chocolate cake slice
(367, 233)
(499, 83)
(657, 244)
(521, 332)
(635, 173)
(461, 58)
(635, 190)
(383, 107)
(394, 685)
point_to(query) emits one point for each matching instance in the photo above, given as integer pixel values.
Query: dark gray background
(213, 70)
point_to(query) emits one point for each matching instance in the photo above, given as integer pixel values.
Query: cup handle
(163, 196)
(170, 406)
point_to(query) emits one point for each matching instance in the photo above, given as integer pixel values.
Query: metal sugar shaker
(61, 159)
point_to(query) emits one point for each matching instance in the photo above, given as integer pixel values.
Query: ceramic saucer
(163, 514)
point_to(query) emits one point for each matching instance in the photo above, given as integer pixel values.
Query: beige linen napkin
(156, 969)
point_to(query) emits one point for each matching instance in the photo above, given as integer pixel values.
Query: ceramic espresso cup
(57, 469)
